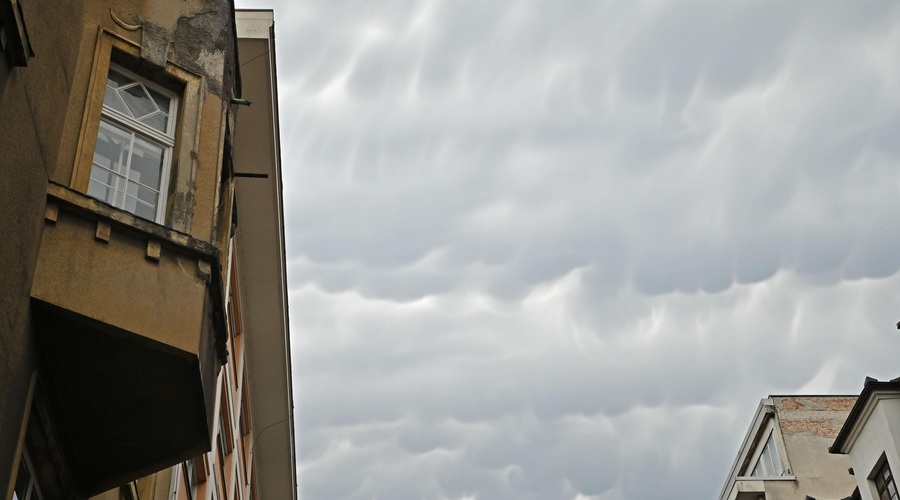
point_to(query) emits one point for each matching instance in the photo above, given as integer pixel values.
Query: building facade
(143, 317)
(784, 455)
(870, 438)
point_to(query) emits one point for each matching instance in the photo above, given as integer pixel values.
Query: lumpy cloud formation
(560, 249)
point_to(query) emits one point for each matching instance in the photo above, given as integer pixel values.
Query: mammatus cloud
(560, 249)
(520, 401)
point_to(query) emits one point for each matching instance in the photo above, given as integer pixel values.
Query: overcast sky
(559, 249)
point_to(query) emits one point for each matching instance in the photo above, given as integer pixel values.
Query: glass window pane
(141, 201)
(138, 101)
(189, 473)
(112, 100)
(22, 481)
(760, 470)
(112, 148)
(147, 200)
(162, 101)
(115, 79)
(130, 203)
(146, 163)
(159, 121)
(777, 470)
(769, 462)
(106, 186)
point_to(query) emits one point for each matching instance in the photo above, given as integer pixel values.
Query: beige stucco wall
(803, 428)
(45, 128)
(31, 100)
(186, 39)
(154, 487)
(809, 426)
(115, 283)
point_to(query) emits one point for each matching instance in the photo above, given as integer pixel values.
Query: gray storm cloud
(559, 249)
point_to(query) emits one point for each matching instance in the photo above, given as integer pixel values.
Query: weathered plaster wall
(33, 102)
(809, 426)
(43, 110)
(197, 36)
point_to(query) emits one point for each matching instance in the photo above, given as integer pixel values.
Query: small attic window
(769, 462)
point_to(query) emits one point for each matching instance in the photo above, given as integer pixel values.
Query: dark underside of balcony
(122, 406)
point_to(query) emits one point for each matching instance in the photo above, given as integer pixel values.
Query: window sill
(118, 217)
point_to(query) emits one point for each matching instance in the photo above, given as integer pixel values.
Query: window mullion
(128, 169)
(118, 177)
(163, 184)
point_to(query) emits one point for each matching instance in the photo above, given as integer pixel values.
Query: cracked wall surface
(809, 425)
(48, 125)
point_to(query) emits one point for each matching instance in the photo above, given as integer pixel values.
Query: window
(245, 407)
(130, 168)
(128, 492)
(26, 482)
(769, 463)
(13, 35)
(884, 482)
(223, 451)
(190, 479)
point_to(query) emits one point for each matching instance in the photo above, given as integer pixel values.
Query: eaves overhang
(873, 392)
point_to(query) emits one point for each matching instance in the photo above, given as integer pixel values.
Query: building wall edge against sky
(144, 340)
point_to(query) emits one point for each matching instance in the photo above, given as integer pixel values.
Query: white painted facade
(871, 435)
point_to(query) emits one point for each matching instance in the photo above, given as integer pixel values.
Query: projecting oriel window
(769, 462)
(884, 481)
(133, 155)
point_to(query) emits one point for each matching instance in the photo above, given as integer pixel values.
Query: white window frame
(166, 141)
(769, 428)
(173, 484)
(770, 431)
(32, 488)
(771, 447)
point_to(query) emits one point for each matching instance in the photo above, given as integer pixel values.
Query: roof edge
(860, 408)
